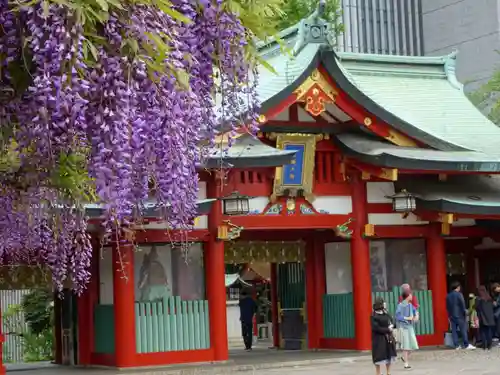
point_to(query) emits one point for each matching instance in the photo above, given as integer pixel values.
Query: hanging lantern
(403, 202)
(236, 204)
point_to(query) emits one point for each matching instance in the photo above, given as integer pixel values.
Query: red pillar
(320, 290)
(436, 277)
(123, 301)
(312, 336)
(215, 277)
(360, 260)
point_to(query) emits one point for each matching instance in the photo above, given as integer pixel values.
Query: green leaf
(93, 50)
(116, 4)
(182, 78)
(45, 8)
(166, 7)
(266, 65)
(103, 4)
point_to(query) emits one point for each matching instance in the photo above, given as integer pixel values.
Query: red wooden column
(312, 335)
(360, 260)
(320, 289)
(315, 290)
(123, 301)
(436, 277)
(215, 277)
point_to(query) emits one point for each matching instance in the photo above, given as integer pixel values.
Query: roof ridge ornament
(450, 68)
(313, 29)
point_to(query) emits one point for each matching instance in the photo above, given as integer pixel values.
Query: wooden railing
(338, 312)
(172, 325)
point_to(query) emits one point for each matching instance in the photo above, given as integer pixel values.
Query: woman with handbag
(406, 316)
(383, 342)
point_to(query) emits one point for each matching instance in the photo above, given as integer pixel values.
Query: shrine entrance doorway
(274, 272)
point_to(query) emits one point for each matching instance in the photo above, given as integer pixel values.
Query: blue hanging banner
(299, 174)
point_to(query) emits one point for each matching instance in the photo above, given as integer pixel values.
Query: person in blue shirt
(248, 308)
(457, 315)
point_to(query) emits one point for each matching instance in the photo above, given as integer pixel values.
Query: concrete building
(470, 26)
(427, 27)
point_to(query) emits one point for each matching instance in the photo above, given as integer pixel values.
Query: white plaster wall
(283, 115)
(394, 219)
(377, 192)
(335, 205)
(233, 321)
(105, 277)
(193, 259)
(304, 116)
(257, 205)
(338, 267)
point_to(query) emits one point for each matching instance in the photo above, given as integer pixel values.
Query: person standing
(484, 309)
(406, 316)
(248, 308)
(495, 294)
(457, 313)
(383, 341)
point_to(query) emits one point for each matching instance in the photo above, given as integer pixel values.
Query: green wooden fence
(104, 329)
(291, 285)
(338, 316)
(171, 325)
(338, 312)
(425, 326)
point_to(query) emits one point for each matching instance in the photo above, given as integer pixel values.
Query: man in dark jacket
(457, 313)
(247, 311)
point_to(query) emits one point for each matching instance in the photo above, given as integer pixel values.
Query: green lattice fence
(291, 285)
(338, 312)
(104, 329)
(172, 325)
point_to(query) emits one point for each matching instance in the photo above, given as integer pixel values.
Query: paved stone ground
(444, 363)
(425, 362)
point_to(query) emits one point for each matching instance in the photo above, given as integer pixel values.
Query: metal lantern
(236, 204)
(403, 202)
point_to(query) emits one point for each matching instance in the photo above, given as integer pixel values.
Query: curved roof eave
(445, 205)
(327, 57)
(378, 153)
(151, 209)
(330, 63)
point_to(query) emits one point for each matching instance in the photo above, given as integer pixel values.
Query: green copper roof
(424, 92)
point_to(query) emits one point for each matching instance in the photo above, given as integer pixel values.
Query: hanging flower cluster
(109, 105)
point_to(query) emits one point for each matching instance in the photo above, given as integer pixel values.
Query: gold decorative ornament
(368, 121)
(262, 119)
(228, 231)
(369, 230)
(400, 139)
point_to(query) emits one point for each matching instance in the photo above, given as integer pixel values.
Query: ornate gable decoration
(315, 92)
